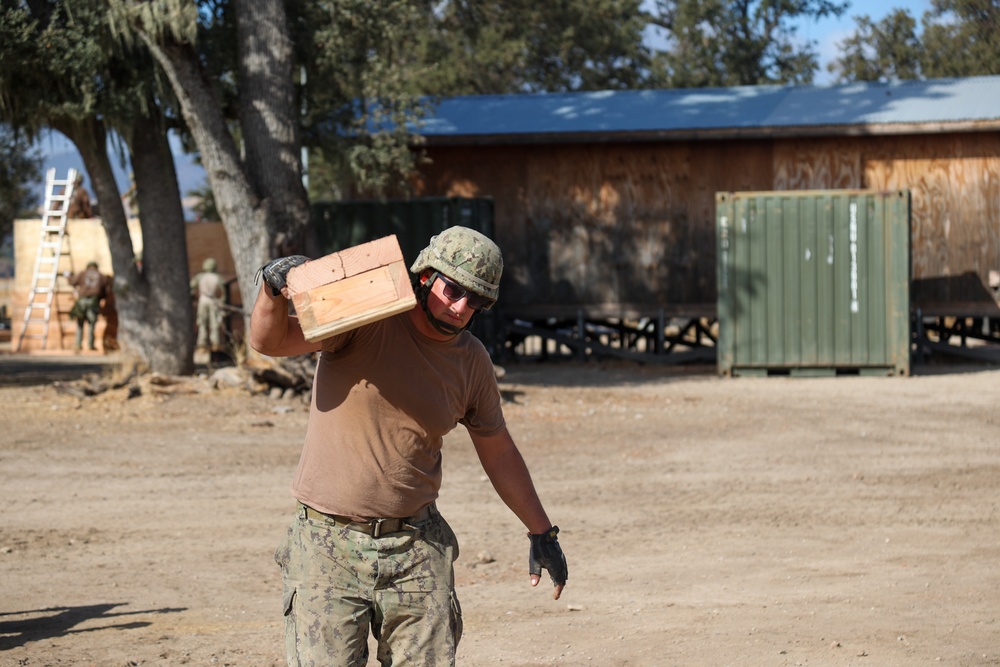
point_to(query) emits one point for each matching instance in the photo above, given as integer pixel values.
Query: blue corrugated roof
(975, 99)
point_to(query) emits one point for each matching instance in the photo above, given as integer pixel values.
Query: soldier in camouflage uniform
(368, 550)
(208, 287)
(91, 287)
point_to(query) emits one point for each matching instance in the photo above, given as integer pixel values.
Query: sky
(59, 153)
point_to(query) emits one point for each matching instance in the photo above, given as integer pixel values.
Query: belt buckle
(380, 527)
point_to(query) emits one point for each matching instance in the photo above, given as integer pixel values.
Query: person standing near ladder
(92, 287)
(79, 203)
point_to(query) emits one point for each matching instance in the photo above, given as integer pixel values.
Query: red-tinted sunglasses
(455, 292)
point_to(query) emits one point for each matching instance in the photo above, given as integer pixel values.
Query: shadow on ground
(27, 370)
(40, 624)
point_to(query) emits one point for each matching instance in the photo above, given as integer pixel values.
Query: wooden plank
(348, 289)
(344, 264)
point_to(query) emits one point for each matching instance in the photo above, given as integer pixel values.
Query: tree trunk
(244, 215)
(262, 197)
(269, 119)
(164, 327)
(154, 308)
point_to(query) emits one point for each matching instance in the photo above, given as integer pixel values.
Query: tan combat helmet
(468, 257)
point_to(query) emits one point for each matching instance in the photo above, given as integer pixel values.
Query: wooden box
(347, 289)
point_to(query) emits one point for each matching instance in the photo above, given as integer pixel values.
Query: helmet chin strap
(422, 290)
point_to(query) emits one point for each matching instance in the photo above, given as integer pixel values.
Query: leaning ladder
(53, 249)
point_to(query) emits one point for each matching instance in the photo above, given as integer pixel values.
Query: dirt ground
(706, 521)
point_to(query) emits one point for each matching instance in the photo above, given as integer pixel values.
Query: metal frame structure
(668, 335)
(948, 329)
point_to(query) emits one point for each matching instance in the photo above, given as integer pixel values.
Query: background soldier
(79, 202)
(92, 287)
(208, 287)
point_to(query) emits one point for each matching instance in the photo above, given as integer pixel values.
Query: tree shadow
(62, 621)
(29, 370)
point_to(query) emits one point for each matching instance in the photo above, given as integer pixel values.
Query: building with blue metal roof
(605, 202)
(855, 108)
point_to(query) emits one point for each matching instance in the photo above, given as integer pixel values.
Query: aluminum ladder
(53, 251)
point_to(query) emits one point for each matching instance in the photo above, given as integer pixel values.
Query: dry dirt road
(707, 521)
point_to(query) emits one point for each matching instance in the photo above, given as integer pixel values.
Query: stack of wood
(284, 377)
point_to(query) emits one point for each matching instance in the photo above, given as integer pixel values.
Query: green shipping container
(814, 282)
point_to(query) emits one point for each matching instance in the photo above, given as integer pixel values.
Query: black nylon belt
(374, 527)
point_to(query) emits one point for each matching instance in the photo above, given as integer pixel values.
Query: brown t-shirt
(208, 286)
(79, 204)
(384, 396)
(91, 283)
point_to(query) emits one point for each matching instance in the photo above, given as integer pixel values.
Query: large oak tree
(63, 70)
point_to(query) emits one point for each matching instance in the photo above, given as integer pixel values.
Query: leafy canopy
(735, 43)
(958, 38)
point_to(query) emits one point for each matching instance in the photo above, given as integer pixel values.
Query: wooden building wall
(617, 225)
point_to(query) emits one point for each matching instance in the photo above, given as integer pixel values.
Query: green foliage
(883, 51)
(735, 43)
(20, 166)
(63, 67)
(959, 38)
(46, 67)
(484, 47)
(361, 92)
(165, 20)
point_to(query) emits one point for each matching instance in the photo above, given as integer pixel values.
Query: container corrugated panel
(344, 224)
(814, 281)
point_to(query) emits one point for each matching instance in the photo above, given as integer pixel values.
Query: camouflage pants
(209, 321)
(85, 311)
(339, 584)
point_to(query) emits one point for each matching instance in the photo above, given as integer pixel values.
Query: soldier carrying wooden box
(368, 550)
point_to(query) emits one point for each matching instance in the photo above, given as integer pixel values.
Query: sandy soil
(770, 521)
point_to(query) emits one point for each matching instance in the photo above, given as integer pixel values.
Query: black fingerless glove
(276, 270)
(546, 553)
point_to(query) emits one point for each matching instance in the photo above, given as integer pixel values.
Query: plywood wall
(87, 241)
(603, 224)
(634, 223)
